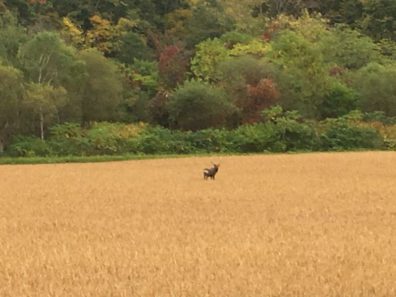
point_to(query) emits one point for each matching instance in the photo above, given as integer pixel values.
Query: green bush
(99, 139)
(339, 134)
(102, 139)
(254, 138)
(280, 131)
(379, 116)
(340, 101)
(158, 140)
(68, 139)
(295, 136)
(291, 132)
(27, 146)
(210, 140)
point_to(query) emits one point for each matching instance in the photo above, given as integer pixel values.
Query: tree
(273, 8)
(173, 65)
(22, 9)
(132, 46)
(255, 47)
(243, 14)
(250, 83)
(46, 59)
(176, 24)
(311, 27)
(51, 69)
(44, 101)
(11, 37)
(209, 54)
(208, 21)
(197, 105)
(158, 110)
(304, 78)
(140, 82)
(348, 48)
(375, 85)
(72, 33)
(379, 19)
(340, 100)
(103, 35)
(102, 91)
(11, 94)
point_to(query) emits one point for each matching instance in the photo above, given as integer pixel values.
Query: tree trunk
(3, 137)
(41, 125)
(1, 146)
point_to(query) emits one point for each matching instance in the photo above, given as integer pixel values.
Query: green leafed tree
(348, 48)
(376, 87)
(132, 46)
(198, 105)
(46, 59)
(379, 19)
(339, 101)
(208, 20)
(11, 94)
(102, 92)
(209, 54)
(44, 101)
(303, 77)
(12, 36)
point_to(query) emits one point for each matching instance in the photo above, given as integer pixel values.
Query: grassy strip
(108, 158)
(77, 159)
(94, 159)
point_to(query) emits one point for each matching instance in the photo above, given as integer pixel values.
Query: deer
(211, 172)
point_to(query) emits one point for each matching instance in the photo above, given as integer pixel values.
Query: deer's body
(211, 172)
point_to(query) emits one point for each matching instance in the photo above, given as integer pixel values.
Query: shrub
(99, 139)
(254, 138)
(27, 146)
(210, 140)
(158, 140)
(339, 134)
(113, 138)
(379, 116)
(340, 101)
(68, 139)
(291, 131)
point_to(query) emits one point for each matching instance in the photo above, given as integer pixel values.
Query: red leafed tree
(173, 65)
(260, 96)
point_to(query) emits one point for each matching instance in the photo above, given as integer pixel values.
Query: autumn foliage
(173, 65)
(318, 58)
(261, 96)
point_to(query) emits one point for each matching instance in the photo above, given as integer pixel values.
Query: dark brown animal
(211, 172)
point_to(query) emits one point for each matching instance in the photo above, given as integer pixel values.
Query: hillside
(191, 65)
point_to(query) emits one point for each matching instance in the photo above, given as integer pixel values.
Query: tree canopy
(191, 64)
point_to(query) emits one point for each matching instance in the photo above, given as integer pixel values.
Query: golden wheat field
(312, 225)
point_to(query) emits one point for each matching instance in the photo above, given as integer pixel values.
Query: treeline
(192, 65)
(277, 131)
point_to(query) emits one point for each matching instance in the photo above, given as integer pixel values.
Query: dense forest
(77, 77)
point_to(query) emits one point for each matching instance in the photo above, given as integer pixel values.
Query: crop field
(312, 225)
